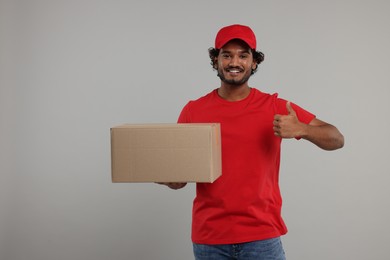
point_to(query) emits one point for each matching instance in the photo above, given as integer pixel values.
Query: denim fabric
(269, 249)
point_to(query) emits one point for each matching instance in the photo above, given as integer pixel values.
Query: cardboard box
(166, 153)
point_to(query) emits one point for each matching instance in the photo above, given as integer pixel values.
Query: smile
(235, 70)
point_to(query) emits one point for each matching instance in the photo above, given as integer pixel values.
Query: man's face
(235, 63)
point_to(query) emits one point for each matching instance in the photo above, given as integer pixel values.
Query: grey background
(69, 70)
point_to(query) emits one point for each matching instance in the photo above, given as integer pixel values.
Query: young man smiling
(239, 215)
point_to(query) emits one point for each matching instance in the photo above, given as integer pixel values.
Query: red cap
(235, 31)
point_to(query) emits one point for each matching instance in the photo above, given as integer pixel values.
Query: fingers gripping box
(166, 152)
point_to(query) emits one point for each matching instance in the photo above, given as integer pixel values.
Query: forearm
(325, 136)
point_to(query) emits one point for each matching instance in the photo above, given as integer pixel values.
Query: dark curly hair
(258, 57)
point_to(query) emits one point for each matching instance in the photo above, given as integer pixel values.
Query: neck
(234, 93)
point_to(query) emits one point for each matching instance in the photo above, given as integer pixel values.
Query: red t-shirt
(244, 204)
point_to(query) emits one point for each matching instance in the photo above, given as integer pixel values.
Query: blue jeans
(269, 249)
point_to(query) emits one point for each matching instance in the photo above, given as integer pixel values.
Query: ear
(254, 65)
(215, 64)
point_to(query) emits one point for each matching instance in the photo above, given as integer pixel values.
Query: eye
(244, 56)
(225, 55)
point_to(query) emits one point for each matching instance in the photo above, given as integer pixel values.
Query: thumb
(290, 110)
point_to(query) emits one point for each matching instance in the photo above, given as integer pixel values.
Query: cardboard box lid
(166, 152)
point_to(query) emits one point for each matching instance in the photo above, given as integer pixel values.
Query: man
(239, 215)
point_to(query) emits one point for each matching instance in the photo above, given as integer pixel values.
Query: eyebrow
(243, 51)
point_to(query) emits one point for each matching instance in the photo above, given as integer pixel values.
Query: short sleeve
(303, 115)
(184, 116)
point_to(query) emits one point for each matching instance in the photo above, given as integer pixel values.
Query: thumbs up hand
(288, 126)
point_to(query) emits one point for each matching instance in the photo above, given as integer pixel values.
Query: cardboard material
(166, 153)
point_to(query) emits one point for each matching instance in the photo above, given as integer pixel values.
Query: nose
(234, 61)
